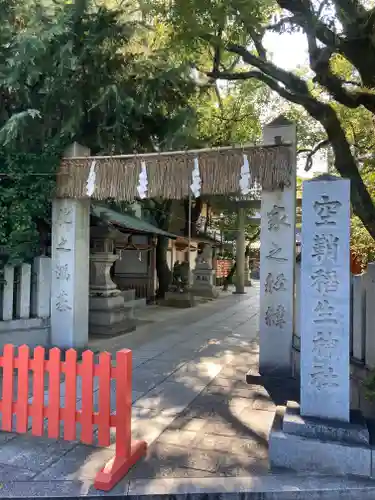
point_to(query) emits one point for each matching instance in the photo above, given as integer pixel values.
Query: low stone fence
(362, 338)
(25, 296)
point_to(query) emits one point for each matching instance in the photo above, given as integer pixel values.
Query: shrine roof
(127, 221)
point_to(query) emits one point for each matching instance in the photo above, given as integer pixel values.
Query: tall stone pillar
(277, 261)
(240, 251)
(70, 268)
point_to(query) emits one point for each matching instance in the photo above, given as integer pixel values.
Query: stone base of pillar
(322, 446)
(181, 300)
(203, 284)
(109, 316)
(247, 279)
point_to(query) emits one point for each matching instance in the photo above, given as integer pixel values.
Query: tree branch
(304, 13)
(319, 62)
(295, 90)
(286, 77)
(281, 23)
(356, 46)
(312, 152)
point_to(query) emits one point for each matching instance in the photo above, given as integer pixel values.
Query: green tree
(74, 71)
(233, 32)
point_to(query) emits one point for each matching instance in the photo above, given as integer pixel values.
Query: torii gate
(169, 175)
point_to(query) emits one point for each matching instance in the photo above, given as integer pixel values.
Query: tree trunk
(162, 213)
(162, 269)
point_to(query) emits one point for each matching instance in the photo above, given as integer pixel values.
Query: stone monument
(204, 275)
(108, 312)
(323, 435)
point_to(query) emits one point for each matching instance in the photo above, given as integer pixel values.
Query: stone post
(370, 316)
(322, 435)
(41, 297)
(23, 301)
(70, 268)
(247, 270)
(325, 299)
(8, 292)
(277, 260)
(240, 252)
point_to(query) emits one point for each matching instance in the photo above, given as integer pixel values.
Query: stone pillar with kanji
(277, 261)
(70, 268)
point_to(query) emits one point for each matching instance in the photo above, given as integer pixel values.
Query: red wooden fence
(126, 454)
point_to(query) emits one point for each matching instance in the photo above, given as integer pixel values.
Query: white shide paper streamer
(143, 182)
(90, 183)
(196, 180)
(245, 176)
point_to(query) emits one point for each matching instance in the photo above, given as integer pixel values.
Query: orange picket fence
(53, 413)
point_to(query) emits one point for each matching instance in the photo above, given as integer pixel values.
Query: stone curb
(283, 486)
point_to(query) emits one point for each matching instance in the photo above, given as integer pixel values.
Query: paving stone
(257, 421)
(242, 465)
(265, 404)
(148, 425)
(229, 387)
(161, 367)
(256, 447)
(145, 380)
(178, 437)
(33, 453)
(188, 424)
(10, 473)
(234, 372)
(82, 462)
(212, 404)
(7, 436)
(166, 460)
(173, 396)
(139, 361)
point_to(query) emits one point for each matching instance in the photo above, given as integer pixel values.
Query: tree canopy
(71, 71)
(341, 50)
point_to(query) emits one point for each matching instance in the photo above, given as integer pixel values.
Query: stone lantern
(108, 314)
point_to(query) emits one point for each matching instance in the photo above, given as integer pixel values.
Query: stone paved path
(206, 428)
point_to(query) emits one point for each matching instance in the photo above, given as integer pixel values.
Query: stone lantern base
(110, 316)
(204, 284)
